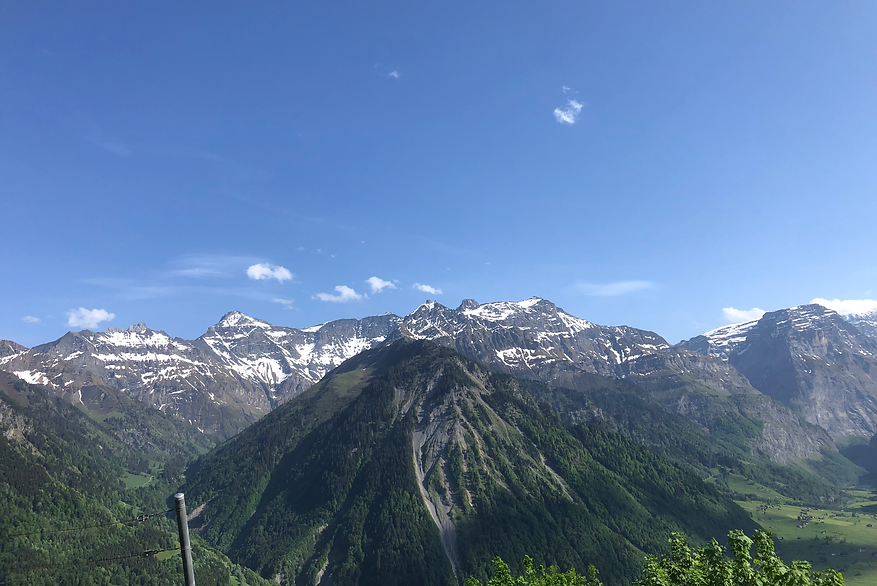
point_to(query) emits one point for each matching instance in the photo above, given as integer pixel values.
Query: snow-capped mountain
(535, 339)
(286, 361)
(177, 376)
(243, 367)
(865, 322)
(810, 358)
(240, 369)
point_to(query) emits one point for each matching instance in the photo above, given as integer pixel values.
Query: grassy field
(843, 539)
(136, 480)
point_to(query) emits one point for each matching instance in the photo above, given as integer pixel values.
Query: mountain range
(241, 368)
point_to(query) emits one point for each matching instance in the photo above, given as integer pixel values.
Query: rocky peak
(865, 322)
(140, 328)
(468, 304)
(239, 319)
(9, 348)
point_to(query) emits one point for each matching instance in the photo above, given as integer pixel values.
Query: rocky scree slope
(811, 359)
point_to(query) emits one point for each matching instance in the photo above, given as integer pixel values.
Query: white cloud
(261, 272)
(377, 284)
(387, 71)
(613, 289)
(30, 319)
(427, 289)
(566, 89)
(344, 295)
(287, 303)
(848, 306)
(88, 318)
(569, 113)
(737, 316)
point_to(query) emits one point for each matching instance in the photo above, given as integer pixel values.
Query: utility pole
(185, 546)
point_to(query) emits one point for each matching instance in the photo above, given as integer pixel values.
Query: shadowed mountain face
(412, 464)
(811, 359)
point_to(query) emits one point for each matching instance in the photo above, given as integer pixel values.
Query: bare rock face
(8, 348)
(809, 358)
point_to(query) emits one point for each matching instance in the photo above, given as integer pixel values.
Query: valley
(842, 538)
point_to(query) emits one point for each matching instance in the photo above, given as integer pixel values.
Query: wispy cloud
(568, 114)
(200, 266)
(377, 284)
(427, 289)
(197, 272)
(88, 318)
(387, 71)
(108, 143)
(344, 294)
(736, 316)
(848, 306)
(613, 289)
(87, 128)
(566, 89)
(29, 319)
(262, 272)
(287, 303)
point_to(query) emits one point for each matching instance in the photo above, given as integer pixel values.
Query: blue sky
(640, 163)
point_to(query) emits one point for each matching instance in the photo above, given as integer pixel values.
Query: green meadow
(843, 537)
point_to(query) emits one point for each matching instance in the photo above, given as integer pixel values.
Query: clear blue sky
(641, 163)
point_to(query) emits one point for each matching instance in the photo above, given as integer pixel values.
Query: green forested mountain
(62, 471)
(410, 464)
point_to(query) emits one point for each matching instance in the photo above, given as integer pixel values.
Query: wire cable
(144, 554)
(138, 518)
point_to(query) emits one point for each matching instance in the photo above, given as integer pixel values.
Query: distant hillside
(412, 464)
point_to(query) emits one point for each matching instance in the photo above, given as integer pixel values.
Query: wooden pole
(185, 546)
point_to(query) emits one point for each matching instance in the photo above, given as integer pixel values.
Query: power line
(144, 554)
(138, 518)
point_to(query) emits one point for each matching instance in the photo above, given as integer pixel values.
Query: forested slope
(412, 463)
(62, 489)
